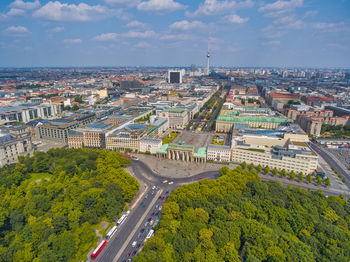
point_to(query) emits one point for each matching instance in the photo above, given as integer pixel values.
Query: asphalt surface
(151, 213)
(216, 112)
(331, 162)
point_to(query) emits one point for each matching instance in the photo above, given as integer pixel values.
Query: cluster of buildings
(232, 116)
(134, 109)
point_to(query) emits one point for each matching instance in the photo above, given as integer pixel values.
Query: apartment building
(14, 142)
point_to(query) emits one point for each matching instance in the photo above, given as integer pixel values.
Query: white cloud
(235, 19)
(310, 13)
(19, 7)
(160, 6)
(106, 37)
(17, 30)
(136, 24)
(284, 17)
(15, 11)
(12, 12)
(187, 25)
(273, 42)
(72, 41)
(25, 5)
(282, 5)
(144, 34)
(123, 2)
(213, 7)
(179, 37)
(331, 27)
(56, 11)
(142, 45)
(272, 32)
(57, 29)
(130, 34)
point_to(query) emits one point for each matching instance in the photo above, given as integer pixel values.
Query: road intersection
(147, 209)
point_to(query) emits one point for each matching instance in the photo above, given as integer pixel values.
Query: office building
(150, 145)
(174, 77)
(177, 117)
(90, 136)
(14, 142)
(290, 153)
(219, 153)
(27, 112)
(57, 130)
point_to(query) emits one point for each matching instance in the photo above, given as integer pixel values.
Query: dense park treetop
(239, 218)
(51, 203)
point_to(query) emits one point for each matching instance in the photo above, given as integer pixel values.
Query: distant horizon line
(165, 67)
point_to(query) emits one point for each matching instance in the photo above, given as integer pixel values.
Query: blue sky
(175, 33)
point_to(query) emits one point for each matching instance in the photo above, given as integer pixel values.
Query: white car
(165, 181)
(134, 244)
(170, 183)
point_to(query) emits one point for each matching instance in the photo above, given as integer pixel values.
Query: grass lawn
(36, 176)
(170, 138)
(217, 141)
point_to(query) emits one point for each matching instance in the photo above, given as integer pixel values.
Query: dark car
(142, 230)
(134, 253)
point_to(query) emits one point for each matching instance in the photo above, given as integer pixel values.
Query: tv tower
(208, 62)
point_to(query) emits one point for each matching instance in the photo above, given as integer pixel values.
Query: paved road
(331, 162)
(143, 172)
(216, 112)
(133, 229)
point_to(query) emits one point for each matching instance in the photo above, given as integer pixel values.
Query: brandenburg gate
(181, 152)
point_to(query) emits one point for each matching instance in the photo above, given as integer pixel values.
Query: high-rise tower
(208, 62)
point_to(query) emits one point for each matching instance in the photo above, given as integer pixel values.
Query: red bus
(98, 249)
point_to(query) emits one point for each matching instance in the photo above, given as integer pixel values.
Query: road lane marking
(131, 235)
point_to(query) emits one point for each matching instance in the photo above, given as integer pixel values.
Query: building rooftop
(163, 149)
(219, 147)
(252, 119)
(202, 152)
(176, 110)
(99, 126)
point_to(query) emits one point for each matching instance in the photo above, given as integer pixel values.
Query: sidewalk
(178, 169)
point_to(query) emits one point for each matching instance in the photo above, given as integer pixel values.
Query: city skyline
(247, 33)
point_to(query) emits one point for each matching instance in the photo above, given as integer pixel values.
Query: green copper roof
(202, 152)
(243, 119)
(176, 110)
(163, 149)
(154, 128)
(181, 147)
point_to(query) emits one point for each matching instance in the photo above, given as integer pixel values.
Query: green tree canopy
(238, 217)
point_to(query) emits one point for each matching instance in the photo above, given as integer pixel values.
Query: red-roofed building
(282, 97)
(8, 88)
(311, 100)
